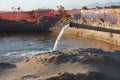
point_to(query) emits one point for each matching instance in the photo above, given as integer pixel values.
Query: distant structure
(107, 13)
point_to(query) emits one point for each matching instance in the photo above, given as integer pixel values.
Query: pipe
(73, 24)
(96, 28)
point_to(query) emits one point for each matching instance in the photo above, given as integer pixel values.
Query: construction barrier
(25, 15)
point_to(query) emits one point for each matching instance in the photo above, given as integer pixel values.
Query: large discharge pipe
(97, 28)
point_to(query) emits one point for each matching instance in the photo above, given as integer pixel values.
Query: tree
(62, 12)
(113, 7)
(19, 11)
(60, 7)
(13, 8)
(97, 7)
(84, 8)
(18, 8)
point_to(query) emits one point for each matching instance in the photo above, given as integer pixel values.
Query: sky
(35, 4)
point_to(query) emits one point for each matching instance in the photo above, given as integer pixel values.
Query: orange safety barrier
(25, 15)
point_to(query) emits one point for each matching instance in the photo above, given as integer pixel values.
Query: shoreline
(102, 44)
(71, 32)
(98, 35)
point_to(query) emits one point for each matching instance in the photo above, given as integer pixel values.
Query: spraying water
(59, 37)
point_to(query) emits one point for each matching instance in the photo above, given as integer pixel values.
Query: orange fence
(26, 15)
(112, 15)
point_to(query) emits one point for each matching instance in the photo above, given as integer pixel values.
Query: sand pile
(88, 76)
(71, 64)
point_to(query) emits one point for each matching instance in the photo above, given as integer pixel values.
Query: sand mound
(73, 61)
(88, 76)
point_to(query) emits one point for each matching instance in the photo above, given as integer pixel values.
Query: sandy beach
(70, 64)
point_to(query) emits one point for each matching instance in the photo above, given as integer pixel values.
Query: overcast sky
(34, 4)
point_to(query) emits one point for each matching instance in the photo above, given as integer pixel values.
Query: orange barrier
(26, 15)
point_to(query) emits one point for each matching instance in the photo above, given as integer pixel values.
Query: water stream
(59, 37)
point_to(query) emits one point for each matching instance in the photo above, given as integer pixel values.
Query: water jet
(59, 37)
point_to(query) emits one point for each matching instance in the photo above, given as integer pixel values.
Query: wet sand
(83, 64)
